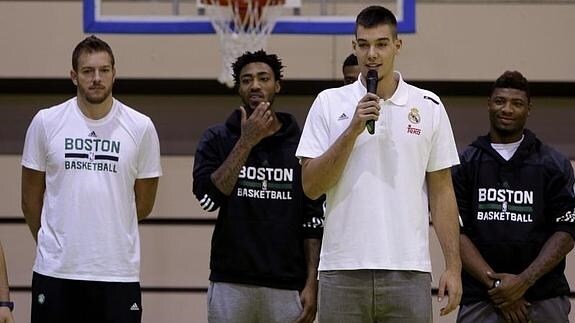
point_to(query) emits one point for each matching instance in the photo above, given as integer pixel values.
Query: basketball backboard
(184, 17)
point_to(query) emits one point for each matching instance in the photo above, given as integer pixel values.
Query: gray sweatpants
(238, 303)
(554, 310)
(362, 296)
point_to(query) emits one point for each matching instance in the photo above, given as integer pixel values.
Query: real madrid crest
(414, 116)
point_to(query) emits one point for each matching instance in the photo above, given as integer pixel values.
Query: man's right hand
(259, 125)
(510, 289)
(367, 109)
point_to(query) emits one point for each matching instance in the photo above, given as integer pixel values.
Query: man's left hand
(450, 286)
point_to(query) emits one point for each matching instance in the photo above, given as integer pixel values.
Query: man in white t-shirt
(90, 170)
(375, 264)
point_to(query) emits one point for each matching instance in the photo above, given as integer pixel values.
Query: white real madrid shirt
(89, 226)
(377, 213)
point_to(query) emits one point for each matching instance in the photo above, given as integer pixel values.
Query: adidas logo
(92, 134)
(134, 307)
(343, 116)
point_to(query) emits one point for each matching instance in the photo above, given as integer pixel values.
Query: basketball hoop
(242, 25)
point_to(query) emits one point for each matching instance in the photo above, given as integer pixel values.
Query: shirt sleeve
(35, 150)
(561, 196)
(463, 188)
(314, 140)
(206, 161)
(149, 165)
(313, 217)
(443, 152)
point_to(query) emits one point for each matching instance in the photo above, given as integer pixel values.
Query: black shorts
(56, 300)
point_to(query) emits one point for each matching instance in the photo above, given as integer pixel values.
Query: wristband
(8, 304)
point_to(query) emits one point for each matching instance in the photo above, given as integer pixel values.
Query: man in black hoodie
(516, 204)
(266, 242)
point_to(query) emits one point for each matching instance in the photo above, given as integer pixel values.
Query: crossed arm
(513, 287)
(509, 295)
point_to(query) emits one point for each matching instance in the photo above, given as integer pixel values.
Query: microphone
(371, 82)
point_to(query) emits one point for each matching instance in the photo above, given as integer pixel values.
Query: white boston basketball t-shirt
(89, 226)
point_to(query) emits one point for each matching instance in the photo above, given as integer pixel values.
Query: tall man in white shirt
(375, 264)
(90, 170)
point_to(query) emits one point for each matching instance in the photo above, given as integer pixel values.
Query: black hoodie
(260, 229)
(509, 209)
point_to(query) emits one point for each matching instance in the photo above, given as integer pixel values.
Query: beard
(251, 105)
(95, 98)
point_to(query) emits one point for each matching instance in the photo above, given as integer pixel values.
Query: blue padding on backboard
(93, 23)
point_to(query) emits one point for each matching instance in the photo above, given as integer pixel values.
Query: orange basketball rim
(241, 7)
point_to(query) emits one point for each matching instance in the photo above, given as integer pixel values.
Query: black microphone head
(371, 81)
(372, 74)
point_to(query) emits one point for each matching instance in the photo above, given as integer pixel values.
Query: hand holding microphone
(371, 84)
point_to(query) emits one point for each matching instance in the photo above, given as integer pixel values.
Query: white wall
(474, 41)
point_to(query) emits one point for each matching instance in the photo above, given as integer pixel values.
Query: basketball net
(242, 25)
